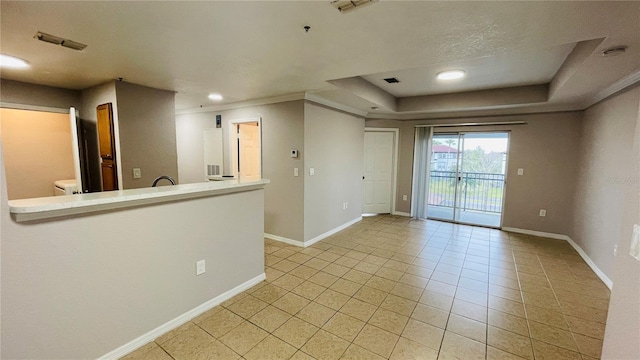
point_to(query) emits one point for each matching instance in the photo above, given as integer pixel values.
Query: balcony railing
(478, 191)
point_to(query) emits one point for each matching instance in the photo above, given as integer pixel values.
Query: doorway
(380, 151)
(467, 177)
(246, 149)
(107, 147)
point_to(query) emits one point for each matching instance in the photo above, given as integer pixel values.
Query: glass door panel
(443, 176)
(467, 177)
(482, 170)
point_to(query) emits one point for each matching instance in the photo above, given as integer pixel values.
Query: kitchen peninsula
(98, 275)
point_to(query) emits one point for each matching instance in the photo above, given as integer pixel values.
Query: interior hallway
(395, 288)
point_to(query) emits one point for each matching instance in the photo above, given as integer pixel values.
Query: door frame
(459, 165)
(231, 135)
(394, 172)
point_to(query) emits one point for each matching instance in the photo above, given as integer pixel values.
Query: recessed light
(450, 75)
(12, 62)
(216, 97)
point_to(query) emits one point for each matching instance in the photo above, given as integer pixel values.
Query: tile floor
(395, 288)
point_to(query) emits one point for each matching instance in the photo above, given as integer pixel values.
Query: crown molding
(334, 105)
(241, 104)
(627, 81)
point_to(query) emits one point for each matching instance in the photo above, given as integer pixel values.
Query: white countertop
(56, 206)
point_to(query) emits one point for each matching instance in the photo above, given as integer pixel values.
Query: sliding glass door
(467, 177)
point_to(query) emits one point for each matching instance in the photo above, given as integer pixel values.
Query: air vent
(349, 5)
(56, 40)
(614, 51)
(392, 80)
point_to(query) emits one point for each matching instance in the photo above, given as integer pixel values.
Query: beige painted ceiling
(248, 50)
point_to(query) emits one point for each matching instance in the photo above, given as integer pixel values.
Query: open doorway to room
(245, 141)
(467, 177)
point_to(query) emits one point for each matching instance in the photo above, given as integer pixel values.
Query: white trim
(181, 319)
(605, 279)
(240, 104)
(617, 86)
(400, 213)
(284, 240)
(476, 124)
(331, 232)
(334, 105)
(394, 180)
(536, 233)
(7, 105)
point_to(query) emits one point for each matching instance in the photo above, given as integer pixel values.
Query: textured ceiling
(249, 50)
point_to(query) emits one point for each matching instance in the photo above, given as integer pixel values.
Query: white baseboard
(331, 232)
(536, 233)
(605, 279)
(284, 240)
(181, 319)
(400, 213)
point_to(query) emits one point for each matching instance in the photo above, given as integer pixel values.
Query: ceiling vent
(614, 51)
(348, 5)
(392, 80)
(56, 40)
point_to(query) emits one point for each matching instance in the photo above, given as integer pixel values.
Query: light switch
(312, 171)
(200, 267)
(137, 174)
(521, 171)
(404, 197)
(295, 171)
(635, 243)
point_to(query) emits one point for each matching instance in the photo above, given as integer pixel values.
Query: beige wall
(601, 184)
(16, 92)
(607, 206)
(190, 144)
(37, 151)
(147, 132)
(81, 286)
(546, 148)
(282, 130)
(334, 147)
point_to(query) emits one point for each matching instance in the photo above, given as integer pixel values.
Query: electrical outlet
(521, 171)
(404, 197)
(137, 173)
(543, 212)
(312, 171)
(200, 267)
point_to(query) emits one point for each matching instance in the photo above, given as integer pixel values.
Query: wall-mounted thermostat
(294, 153)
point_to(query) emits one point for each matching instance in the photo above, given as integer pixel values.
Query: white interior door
(378, 172)
(249, 154)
